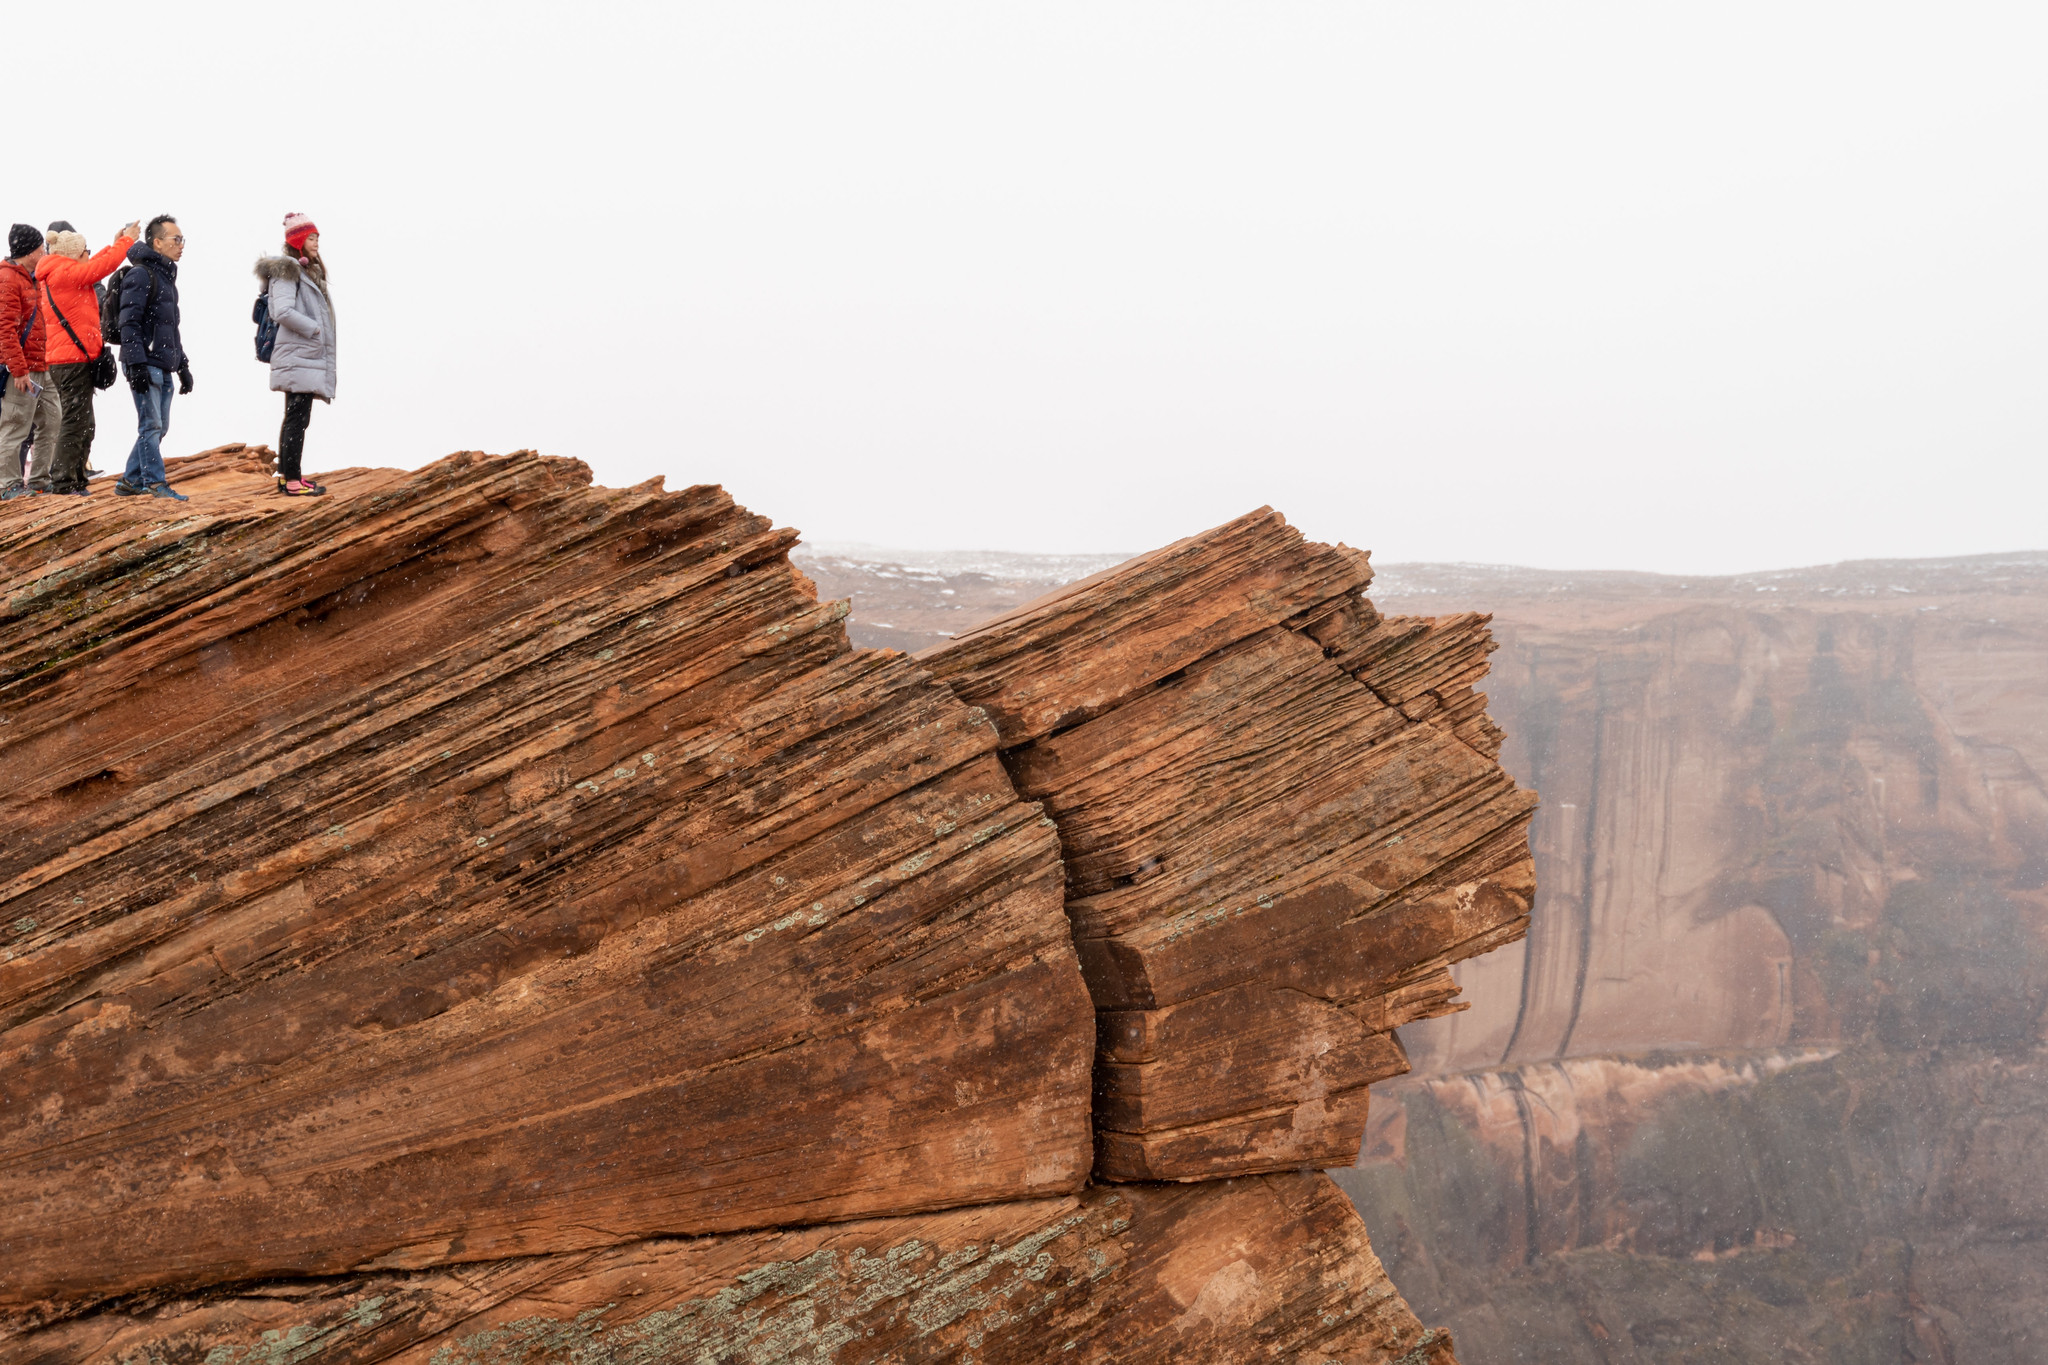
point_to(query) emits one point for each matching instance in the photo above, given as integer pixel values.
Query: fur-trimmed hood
(270, 268)
(289, 269)
(70, 244)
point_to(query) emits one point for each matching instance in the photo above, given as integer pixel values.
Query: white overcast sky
(1693, 288)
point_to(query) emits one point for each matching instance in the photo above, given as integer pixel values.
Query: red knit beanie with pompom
(297, 228)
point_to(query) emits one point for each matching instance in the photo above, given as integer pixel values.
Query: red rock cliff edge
(485, 916)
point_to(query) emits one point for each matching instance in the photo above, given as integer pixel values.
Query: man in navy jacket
(151, 352)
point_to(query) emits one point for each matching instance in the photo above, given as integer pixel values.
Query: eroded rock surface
(481, 916)
(1282, 820)
(1757, 1085)
(477, 863)
(1271, 1268)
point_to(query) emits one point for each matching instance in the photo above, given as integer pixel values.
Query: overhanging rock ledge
(482, 916)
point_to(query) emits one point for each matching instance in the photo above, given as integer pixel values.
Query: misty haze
(941, 683)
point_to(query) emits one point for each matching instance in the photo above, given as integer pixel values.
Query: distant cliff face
(1803, 810)
(1766, 1075)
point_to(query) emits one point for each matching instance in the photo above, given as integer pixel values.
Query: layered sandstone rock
(454, 868)
(1272, 1268)
(1282, 821)
(478, 915)
(1757, 1085)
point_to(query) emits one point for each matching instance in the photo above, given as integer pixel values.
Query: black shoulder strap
(68, 331)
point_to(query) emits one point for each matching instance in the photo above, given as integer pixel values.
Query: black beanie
(22, 239)
(60, 226)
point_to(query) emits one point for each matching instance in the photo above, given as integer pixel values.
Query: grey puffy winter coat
(302, 360)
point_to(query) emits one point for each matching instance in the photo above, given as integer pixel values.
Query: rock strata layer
(1283, 821)
(1272, 1268)
(1756, 1086)
(477, 863)
(482, 916)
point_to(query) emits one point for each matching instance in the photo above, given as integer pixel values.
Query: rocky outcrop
(1757, 1085)
(1253, 928)
(1274, 1268)
(479, 915)
(399, 879)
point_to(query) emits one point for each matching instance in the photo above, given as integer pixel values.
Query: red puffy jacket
(18, 299)
(69, 284)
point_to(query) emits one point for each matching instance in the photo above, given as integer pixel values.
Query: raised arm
(107, 259)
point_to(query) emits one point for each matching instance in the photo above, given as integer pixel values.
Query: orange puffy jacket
(69, 285)
(18, 305)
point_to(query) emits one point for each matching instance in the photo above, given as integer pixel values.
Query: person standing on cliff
(70, 284)
(302, 358)
(152, 350)
(30, 400)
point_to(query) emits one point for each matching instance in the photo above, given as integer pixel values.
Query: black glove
(138, 376)
(185, 377)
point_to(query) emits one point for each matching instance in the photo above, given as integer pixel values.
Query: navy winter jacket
(158, 344)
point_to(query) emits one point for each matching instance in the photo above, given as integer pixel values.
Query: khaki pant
(18, 412)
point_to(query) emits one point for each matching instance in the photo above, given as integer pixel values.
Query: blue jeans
(152, 420)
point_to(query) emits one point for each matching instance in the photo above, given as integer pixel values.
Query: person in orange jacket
(30, 401)
(71, 301)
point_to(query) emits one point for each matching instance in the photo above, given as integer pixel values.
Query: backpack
(266, 328)
(110, 306)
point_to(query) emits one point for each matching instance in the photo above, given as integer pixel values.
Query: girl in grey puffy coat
(302, 358)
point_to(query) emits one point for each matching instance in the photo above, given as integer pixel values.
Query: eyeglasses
(175, 241)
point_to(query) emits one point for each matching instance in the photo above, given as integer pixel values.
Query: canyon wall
(1772, 1054)
(1752, 786)
(478, 915)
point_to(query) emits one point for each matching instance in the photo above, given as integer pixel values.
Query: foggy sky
(1693, 289)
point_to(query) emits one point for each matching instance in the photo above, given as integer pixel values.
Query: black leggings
(291, 441)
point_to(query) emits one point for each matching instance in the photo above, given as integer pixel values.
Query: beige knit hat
(70, 244)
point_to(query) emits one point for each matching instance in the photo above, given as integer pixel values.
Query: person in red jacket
(31, 399)
(71, 302)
